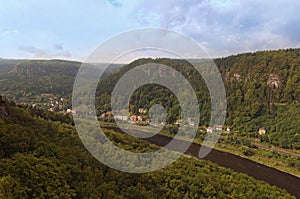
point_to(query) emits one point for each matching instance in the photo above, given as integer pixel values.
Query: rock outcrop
(4, 112)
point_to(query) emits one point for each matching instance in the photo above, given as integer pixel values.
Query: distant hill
(7, 64)
(27, 81)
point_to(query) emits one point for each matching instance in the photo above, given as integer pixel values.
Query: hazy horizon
(129, 61)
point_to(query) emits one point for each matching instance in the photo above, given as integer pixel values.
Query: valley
(262, 122)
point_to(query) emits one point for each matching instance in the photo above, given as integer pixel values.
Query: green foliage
(48, 160)
(263, 90)
(28, 79)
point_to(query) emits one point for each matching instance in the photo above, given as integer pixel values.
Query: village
(55, 103)
(143, 119)
(61, 104)
(51, 103)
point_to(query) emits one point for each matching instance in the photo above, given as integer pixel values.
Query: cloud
(9, 32)
(226, 27)
(115, 3)
(41, 53)
(58, 47)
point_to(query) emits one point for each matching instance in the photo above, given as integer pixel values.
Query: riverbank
(261, 153)
(235, 162)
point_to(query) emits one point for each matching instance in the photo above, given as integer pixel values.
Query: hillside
(41, 82)
(263, 91)
(27, 81)
(45, 159)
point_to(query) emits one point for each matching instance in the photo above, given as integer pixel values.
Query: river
(258, 171)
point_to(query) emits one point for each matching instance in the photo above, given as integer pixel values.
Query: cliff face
(4, 112)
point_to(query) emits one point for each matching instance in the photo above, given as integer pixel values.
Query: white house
(228, 129)
(219, 127)
(209, 129)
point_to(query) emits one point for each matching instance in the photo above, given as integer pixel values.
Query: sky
(72, 29)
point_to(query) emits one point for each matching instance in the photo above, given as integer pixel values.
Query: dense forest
(41, 156)
(28, 81)
(263, 90)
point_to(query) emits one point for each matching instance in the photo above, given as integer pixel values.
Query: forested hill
(30, 81)
(263, 91)
(40, 158)
(261, 70)
(26, 80)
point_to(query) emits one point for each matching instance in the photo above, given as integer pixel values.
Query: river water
(259, 171)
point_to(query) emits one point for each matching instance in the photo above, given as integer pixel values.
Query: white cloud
(42, 53)
(226, 26)
(10, 32)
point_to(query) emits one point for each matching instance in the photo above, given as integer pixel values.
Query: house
(178, 122)
(228, 129)
(133, 118)
(108, 113)
(262, 131)
(71, 111)
(209, 129)
(118, 117)
(142, 110)
(122, 117)
(219, 127)
(139, 118)
(192, 123)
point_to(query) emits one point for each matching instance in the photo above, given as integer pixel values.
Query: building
(262, 131)
(139, 118)
(228, 129)
(108, 113)
(121, 117)
(142, 110)
(219, 127)
(209, 129)
(192, 123)
(133, 118)
(71, 111)
(178, 122)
